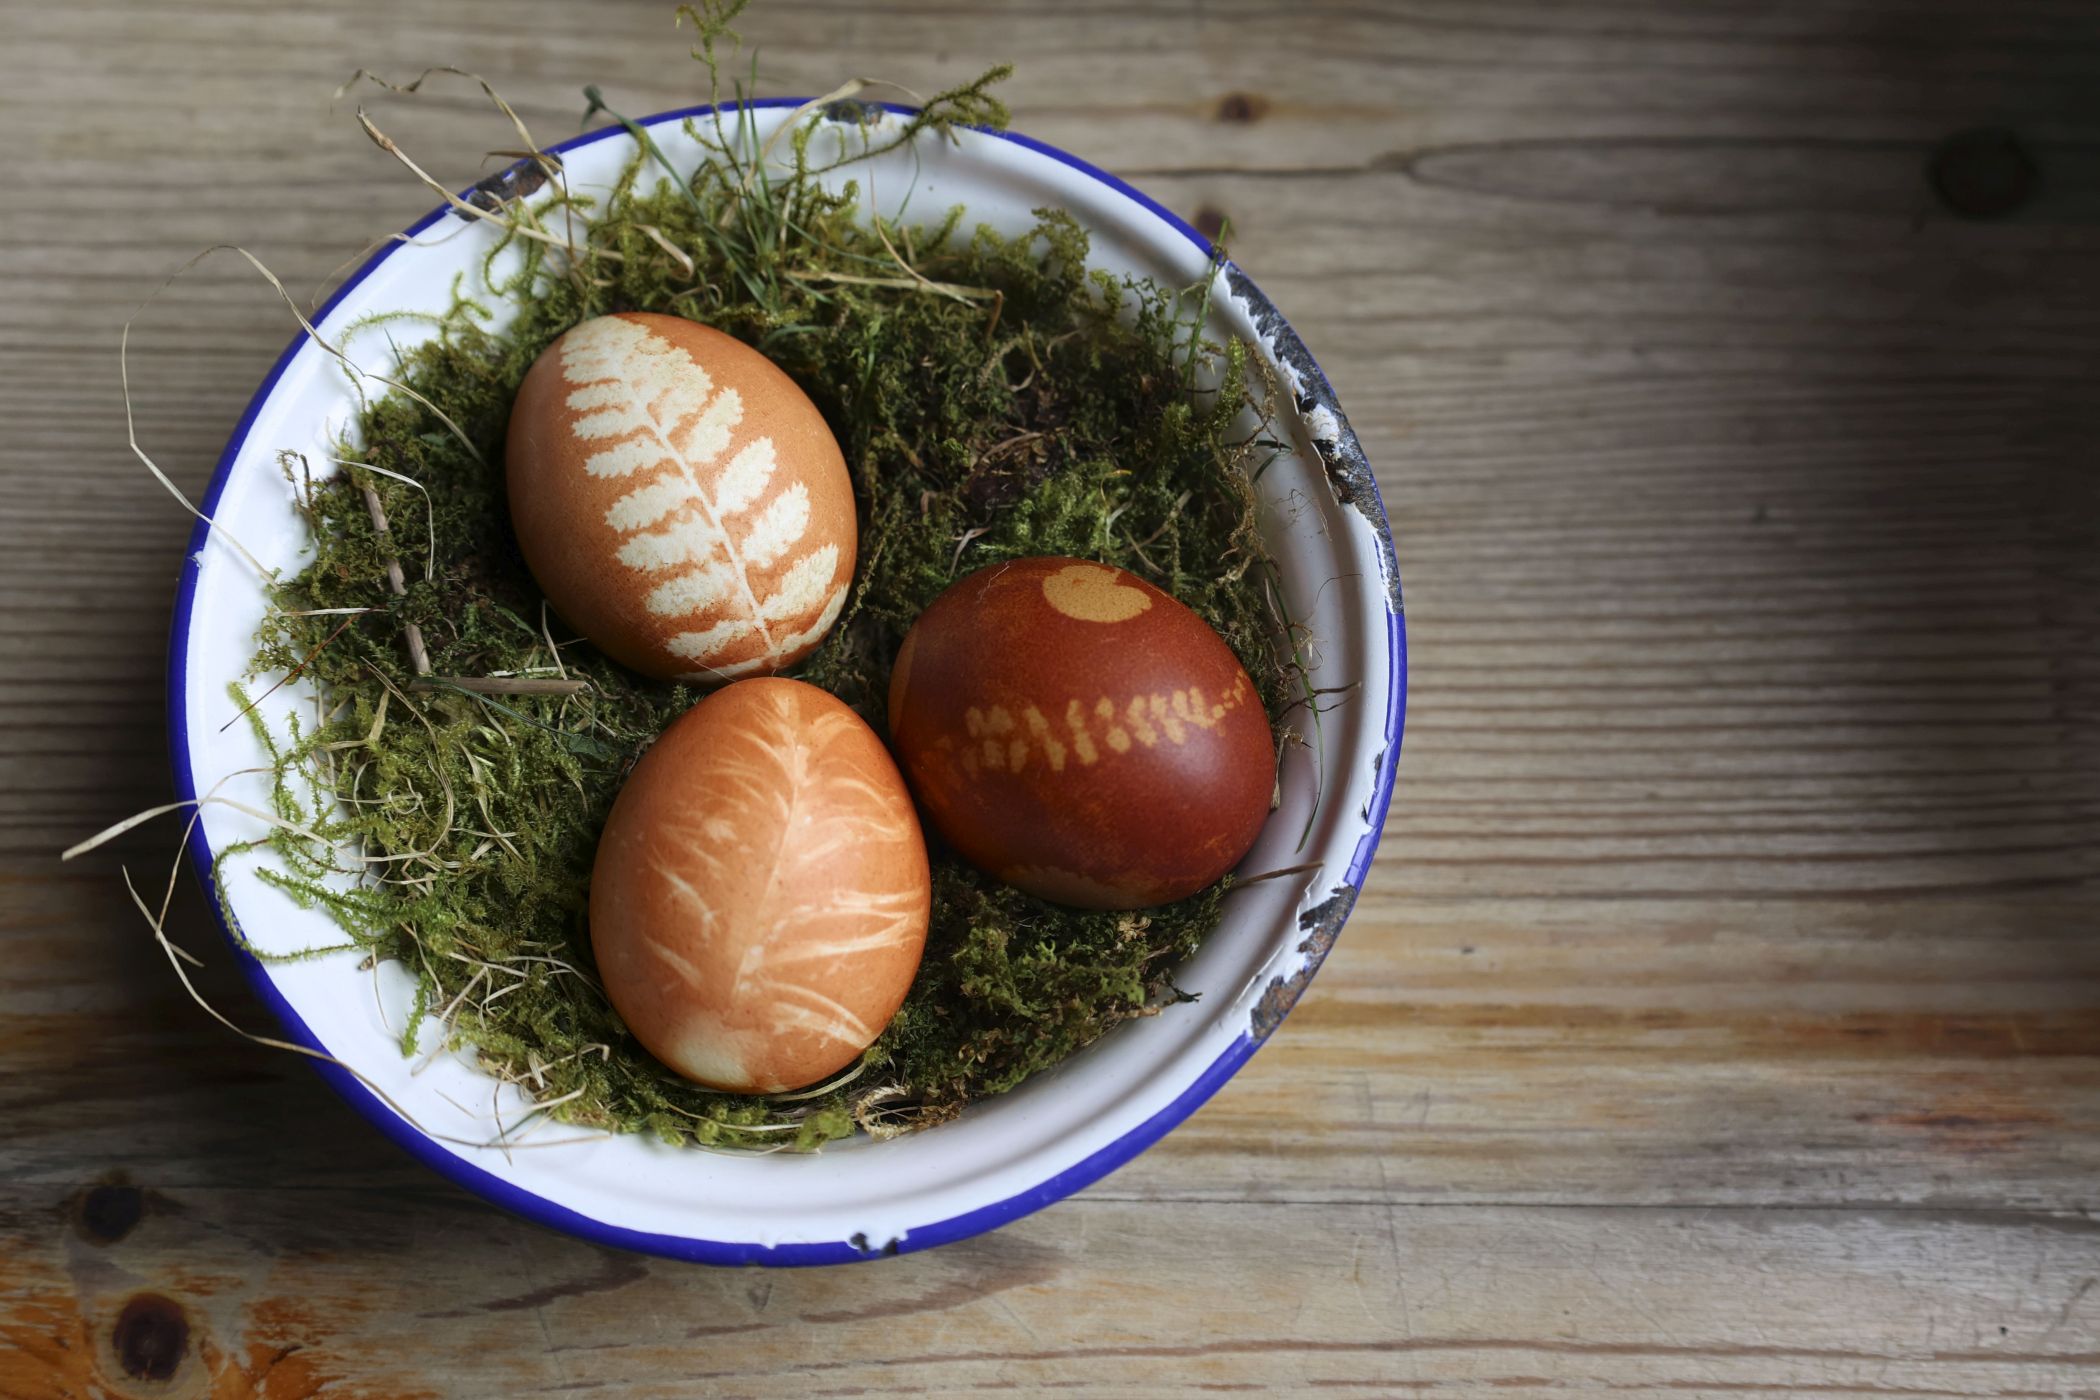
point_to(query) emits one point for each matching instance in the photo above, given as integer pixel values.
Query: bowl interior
(1005, 1156)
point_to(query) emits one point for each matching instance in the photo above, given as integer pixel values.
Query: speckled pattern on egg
(760, 897)
(679, 498)
(1079, 733)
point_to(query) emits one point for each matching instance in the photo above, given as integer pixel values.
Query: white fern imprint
(698, 514)
(817, 946)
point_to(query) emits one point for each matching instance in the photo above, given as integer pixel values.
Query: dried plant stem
(289, 676)
(398, 582)
(504, 685)
(510, 225)
(1240, 882)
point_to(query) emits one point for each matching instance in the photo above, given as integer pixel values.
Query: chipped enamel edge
(1260, 1007)
(1354, 486)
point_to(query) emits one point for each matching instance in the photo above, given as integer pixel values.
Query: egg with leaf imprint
(679, 499)
(1077, 732)
(760, 895)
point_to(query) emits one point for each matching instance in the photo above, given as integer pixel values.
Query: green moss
(1039, 408)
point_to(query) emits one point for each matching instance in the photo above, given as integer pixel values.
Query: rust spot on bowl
(1321, 923)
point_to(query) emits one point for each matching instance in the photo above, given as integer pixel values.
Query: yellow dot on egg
(1082, 741)
(994, 755)
(1093, 593)
(1188, 707)
(1039, 730)
(1118, 739)
(1139, 725)
(1167, 721)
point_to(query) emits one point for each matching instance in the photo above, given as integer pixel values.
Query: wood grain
(1723, 1015)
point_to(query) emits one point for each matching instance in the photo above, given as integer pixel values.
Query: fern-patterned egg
(679, 499)
(760, 895)
(1075, 731)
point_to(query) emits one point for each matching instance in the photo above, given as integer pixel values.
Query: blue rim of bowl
(538, 1208)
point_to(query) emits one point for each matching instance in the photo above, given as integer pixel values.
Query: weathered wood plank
(1723, 1015)
(276, 1287)
(1606, 1053)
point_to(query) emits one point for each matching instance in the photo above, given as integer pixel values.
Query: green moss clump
(994, 399)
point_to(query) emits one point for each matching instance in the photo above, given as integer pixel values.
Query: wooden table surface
(1723, 1015)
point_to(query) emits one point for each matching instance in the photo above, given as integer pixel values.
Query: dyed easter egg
(680, 501)
(1075, 731)
(760, 895)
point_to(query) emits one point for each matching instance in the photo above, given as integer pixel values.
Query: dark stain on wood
(1983, 173)
(1210, 222)
(151, 1337)
(692, 1333)
(1243, 108)
(615, 1270)
(1015, 1263)
(108, 1212)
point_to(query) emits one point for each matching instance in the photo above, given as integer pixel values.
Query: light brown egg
(1077, 732)
(679, 499)
(760, 897)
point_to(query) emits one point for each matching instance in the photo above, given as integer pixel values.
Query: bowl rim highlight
(1342, 456)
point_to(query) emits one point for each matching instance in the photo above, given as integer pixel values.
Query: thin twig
(293, 674)
(1242, 881)
(503, 685)
(475, 211)
(398, 581)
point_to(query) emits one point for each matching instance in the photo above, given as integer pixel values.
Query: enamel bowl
(1004, 1157)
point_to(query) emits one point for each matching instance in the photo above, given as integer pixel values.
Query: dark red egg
(1073, 730)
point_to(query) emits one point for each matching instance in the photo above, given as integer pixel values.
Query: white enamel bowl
(1005, 1157)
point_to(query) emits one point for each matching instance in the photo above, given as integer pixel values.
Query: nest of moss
(994, 398)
